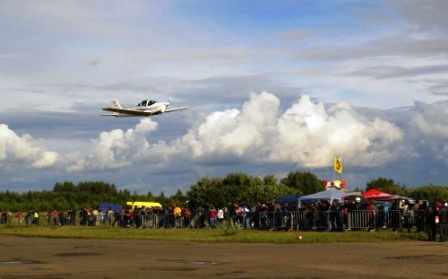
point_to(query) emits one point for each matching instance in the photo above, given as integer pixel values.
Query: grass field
(225, 235)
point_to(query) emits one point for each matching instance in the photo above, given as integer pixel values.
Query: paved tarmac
(40, 258)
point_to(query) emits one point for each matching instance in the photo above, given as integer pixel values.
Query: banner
(338, 184)
(337, 165)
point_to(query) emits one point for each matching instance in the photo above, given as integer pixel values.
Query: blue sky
(273, 87)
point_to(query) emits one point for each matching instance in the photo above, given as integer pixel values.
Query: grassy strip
(225, 235)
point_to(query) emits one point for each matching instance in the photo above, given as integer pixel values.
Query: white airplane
(144, 108)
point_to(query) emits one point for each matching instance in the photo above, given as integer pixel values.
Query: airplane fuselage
(152, 106)
(144, 108)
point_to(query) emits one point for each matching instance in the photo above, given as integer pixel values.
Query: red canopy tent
(376, 194)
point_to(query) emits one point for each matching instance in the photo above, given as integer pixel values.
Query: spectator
(256, 211)
(212, 216)
(385, 216)
(103, 217)
(54, 215)
(443, 222)
(18, 216)
(430, 222)
(186, 213)
(177, 211)
(277, 216)
(29, 217)
(417, 210)
(72, 215)
(220, 216)
(118, 219)
(110, 217)
(405, 210)
(201, 216)
(49, 217)
(62, 218)
(35, 217)
(371, 215)
(238, 219)
(127, 219)
(395, 214)
(231, 213)
(91, 217)
(323, 217)
(83, 216)
(286, 212)
(247, 217)
(8, 217)
(168, 217)
(333, 216)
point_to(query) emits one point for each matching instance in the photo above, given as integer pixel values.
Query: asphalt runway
(40, 258)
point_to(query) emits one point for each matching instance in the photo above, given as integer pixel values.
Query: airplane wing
(176, 109)
(127, 112)
(123, 112)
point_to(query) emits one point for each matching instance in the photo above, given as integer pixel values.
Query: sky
(273, 87)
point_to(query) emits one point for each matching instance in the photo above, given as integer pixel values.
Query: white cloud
(307, 134)
(23, 149)
(310, 135)
(431, 119)
(432, 126)
(234, 132)
(114, 149)
(48, 159)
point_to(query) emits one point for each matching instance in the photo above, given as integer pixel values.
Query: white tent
(328, 195)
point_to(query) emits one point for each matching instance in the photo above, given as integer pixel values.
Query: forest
(237, 188)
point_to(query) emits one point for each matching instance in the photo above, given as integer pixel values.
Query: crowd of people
(339, 215)
(32, 217)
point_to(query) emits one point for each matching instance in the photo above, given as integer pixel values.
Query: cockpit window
(146, 103)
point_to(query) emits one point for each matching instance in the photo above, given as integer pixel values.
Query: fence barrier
(297, 220)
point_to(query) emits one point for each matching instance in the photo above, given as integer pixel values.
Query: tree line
(237, 188)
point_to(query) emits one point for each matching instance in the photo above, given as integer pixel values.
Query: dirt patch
(82, 258)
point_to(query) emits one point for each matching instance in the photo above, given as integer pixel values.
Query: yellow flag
(337, 165)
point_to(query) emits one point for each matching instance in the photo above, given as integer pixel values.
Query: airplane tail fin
(115, 104)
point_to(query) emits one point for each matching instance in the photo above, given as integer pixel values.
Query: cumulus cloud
(307, 133)
(114, 149)
(431, 119)
(432, 125)
(235, 132)
(259, 133)
(310, 135)
(23, 149)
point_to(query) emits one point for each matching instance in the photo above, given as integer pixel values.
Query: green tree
(429, 192)
(236, 188)
(305, 183)
(207, 191)
(386, 185)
